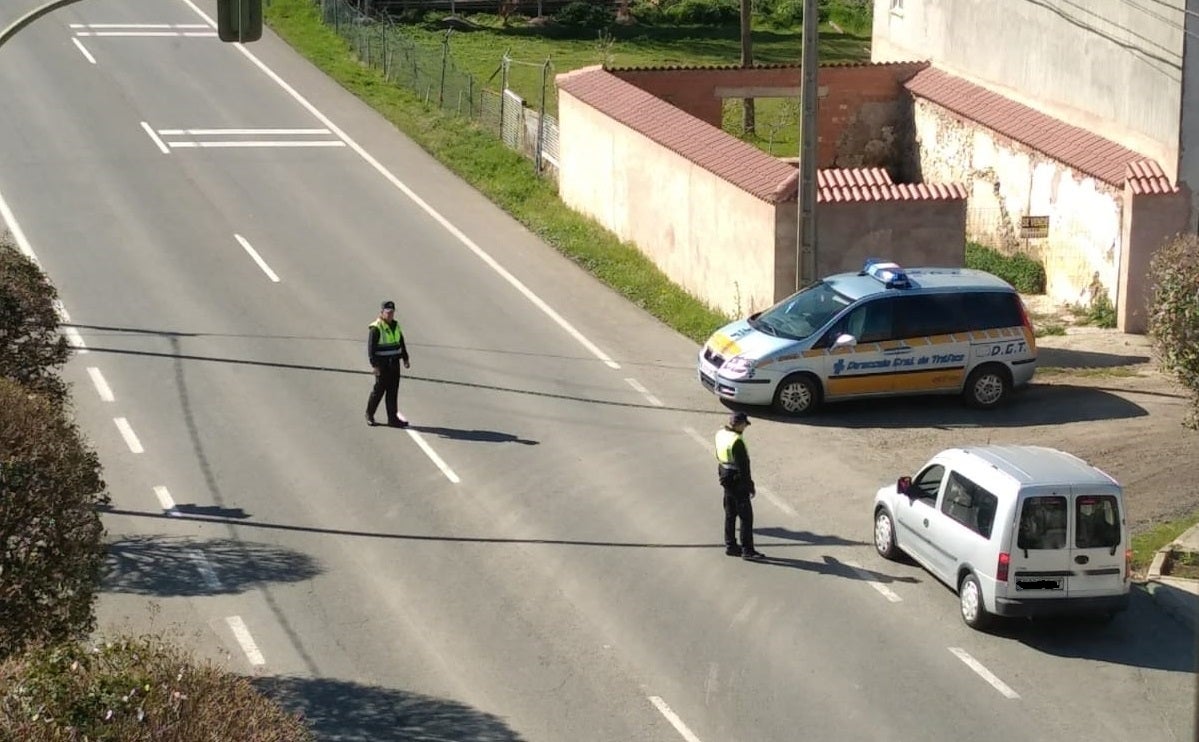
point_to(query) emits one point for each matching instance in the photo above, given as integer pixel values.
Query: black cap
(738, 417)
(389, 304)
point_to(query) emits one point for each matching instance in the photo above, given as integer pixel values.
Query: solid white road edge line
(257, 258)
(242, 634)
(205, 569)
(637, 386)
(420, 202)
(445, 469)
(154, 136)
(983, 672)
(256, 143)
(127, 433)
(674, 719)
(165, 499)
(887, 592)
(102, 387)
(88, 55)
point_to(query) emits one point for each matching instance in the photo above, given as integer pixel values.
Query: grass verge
(499, 173)
(1101, 372)
(1146, 544)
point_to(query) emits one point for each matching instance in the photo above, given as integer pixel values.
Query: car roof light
(889, 273)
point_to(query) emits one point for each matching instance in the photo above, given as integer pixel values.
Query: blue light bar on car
(890, 274)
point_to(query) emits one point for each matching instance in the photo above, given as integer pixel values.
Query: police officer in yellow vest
(386, 350)
(738, 483)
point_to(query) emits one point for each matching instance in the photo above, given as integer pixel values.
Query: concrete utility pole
(30, 17)
(805, 252)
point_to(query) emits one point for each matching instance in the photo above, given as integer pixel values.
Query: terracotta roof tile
(776, 66)
(1146, 177)
(727, 157)
(838, 185)
(1073, 146)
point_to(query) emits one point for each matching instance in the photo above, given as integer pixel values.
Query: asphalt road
(539, 556)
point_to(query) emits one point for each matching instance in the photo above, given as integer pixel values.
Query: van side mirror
(903, 486)
(845, 340)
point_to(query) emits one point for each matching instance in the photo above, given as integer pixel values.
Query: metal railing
(429, 70)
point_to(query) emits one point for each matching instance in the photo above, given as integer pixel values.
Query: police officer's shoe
(732, 550)
(370, 420)
(397, 423)
(756, 556)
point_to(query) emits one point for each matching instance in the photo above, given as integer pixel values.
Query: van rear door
(1040, 562)
(1097, 546)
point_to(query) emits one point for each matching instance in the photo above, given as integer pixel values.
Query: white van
(879, 332)
(1016, 530)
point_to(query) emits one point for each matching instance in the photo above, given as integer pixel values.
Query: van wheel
(884, 534)
(797, 395)
(987, 386)
(970, 598)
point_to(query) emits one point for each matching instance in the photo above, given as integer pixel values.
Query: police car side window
(872, 322)
(988, 310)
(931, 314)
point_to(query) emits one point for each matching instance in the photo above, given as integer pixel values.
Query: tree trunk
(747, 60)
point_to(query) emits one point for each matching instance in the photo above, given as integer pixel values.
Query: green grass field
(480, 53)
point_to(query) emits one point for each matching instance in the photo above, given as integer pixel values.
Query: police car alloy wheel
(797, 395)
(987, 387)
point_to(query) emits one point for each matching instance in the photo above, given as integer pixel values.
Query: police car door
(937, 361)
(866, 365)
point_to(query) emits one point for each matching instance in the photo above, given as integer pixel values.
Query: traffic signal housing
(239, 20)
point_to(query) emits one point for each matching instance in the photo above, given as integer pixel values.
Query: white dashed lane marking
(242, 634)
(983, 672)
(127, 433)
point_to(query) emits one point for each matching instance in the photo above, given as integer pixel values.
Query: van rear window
(1043, 523)
(1098, 522)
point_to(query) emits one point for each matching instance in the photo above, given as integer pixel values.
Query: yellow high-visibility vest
(725, 440)
(389, 338)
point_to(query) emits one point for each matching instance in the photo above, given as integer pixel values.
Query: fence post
(545, 71)
(503, 92)
(445, 55)
(383, 35)
(470, 97)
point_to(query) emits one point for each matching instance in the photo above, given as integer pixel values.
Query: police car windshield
(802, 313)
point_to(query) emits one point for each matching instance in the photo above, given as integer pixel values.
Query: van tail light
(1127, 564)
(1001, 569)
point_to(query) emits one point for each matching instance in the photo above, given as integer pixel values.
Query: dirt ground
(1097, 394)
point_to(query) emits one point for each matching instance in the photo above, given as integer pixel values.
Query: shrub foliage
(31, 348)
(1174, 314)
(130, 689)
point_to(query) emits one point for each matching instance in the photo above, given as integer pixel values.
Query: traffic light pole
(805, 252)
(30, 17)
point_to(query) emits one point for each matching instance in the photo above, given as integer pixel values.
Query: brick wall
(862, 113)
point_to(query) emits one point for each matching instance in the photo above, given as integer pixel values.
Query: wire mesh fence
(429, 70)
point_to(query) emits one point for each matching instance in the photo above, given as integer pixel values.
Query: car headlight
(738, 367)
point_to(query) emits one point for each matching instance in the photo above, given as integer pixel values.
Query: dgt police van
(881, 331)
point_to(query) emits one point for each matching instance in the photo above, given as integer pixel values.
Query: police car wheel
(987, 386)
(797, 395)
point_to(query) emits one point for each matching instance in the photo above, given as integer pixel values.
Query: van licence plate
(1039, 583)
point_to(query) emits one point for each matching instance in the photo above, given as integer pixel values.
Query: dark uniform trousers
(737, 504)
(387, 384)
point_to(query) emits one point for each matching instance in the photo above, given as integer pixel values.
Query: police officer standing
(737, 481)
(386, 350)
